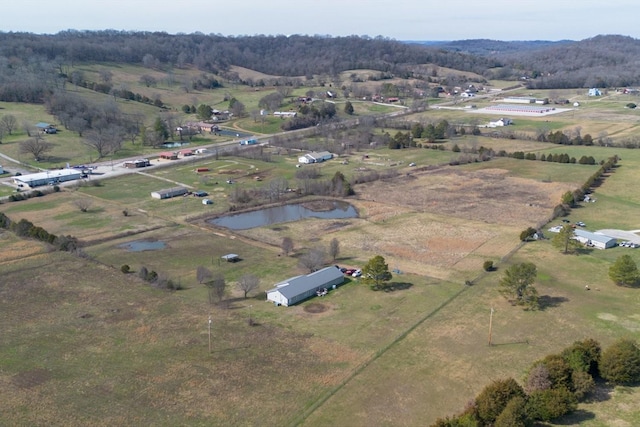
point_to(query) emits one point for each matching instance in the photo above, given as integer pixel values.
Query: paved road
(621, 235)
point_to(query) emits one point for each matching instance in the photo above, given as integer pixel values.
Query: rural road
(630, 236)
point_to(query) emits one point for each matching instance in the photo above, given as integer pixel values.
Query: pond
(143, 245)
(237, 134)
(285, 213)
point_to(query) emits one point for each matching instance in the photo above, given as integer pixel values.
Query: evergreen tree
(624, 272)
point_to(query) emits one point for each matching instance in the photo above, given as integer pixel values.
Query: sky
(394, 19)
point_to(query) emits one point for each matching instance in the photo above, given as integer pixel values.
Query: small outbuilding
(231, 257)
(169, 193)
(299, 288)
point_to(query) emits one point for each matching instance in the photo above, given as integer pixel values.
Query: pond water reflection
(285, 213)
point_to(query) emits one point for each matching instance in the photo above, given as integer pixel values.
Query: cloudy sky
(396, 19)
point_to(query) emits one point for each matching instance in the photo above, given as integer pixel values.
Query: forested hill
(487, 47)
(276, 55)
(32, 65)
(601, 61)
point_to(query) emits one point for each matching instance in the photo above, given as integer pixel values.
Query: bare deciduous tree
(83, 204)
(313, 260)
(287, 245)
(36, 147)
(8, 123)
(334, 248)
(216, 287)
(248, 283)
(203, 274)
(106, 140)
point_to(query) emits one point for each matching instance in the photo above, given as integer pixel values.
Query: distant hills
(490, 47)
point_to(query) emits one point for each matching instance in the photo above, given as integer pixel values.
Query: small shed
(169, 193)
(1, 170)
(231, 257)
(299, 288)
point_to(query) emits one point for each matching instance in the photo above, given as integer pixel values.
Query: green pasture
(539, 171)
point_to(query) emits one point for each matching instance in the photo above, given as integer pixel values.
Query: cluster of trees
(559, 137)
(25, 228)
(432, 132)
(156, 280)
(310, 115)
(315, 258)
(295, 55)
(308, 183)
(570, 198)
(552, 387)
(555, 157)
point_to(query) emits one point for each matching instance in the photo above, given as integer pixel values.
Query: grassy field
(82, 338)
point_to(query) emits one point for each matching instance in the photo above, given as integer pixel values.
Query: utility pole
(209, 334)
(490, 325)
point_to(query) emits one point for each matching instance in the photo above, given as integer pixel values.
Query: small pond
(285, 213)
(143, 245)
(237, 134)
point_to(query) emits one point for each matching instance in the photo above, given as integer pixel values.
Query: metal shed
(299, 288)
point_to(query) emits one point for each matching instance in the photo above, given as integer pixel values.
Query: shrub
(546, 405)
(493, 399)
(487, 265)
(514, 414)
(620, 363)
(125, 269)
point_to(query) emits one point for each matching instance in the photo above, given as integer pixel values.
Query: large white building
(596, 240)
(299, 288)
(48, 177)
(315, 157)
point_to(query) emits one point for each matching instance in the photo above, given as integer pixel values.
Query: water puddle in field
(143, 245)
(285, 213)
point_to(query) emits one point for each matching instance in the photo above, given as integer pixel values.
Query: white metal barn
(296, 289)
(315, 157)
(48, 177)
(599, 241)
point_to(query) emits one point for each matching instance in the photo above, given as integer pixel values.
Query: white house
(285, 113)
(594, 92)
(315, 157)
(503, 121)
(299, 288)
(169, 192)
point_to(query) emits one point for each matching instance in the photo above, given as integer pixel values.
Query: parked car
(357, 273)
(207, 201)
(581, 224)
(349, 271)
(200, 193)
(566, 220)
